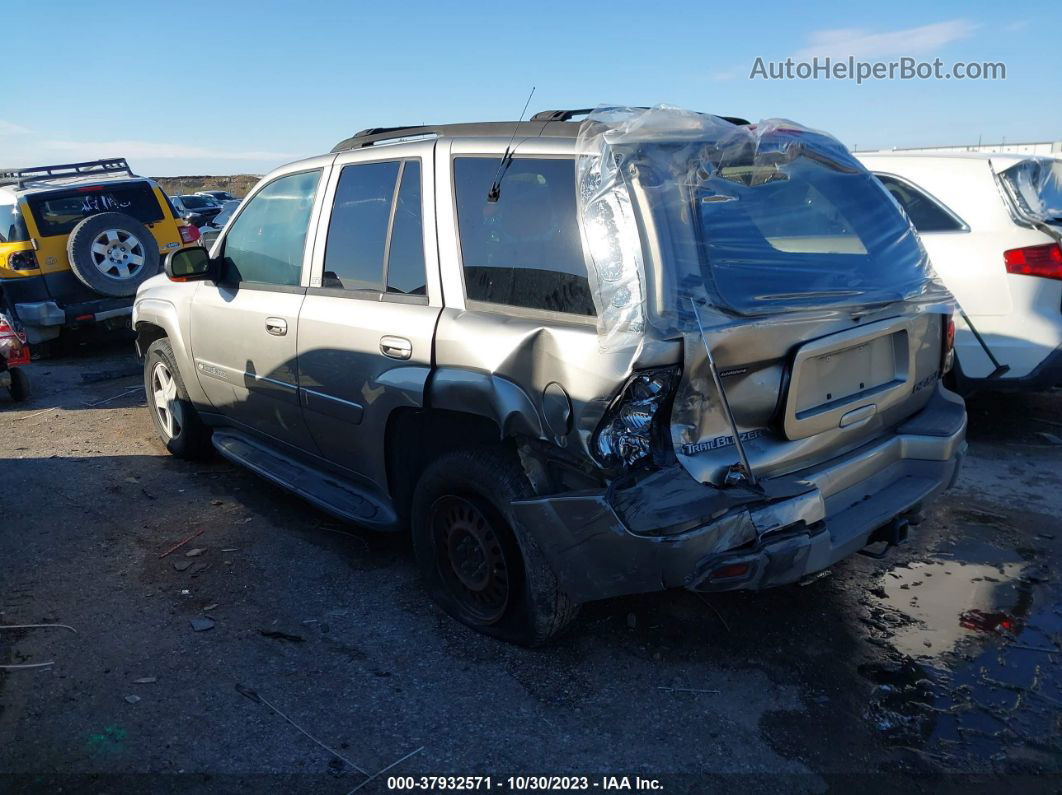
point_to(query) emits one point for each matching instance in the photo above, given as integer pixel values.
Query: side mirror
(188, 264)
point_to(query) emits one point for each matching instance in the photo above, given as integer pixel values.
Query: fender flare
(487, 395)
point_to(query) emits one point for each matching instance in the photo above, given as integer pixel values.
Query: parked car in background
(220, 196)
(992, 225)
(77, 239)
(204, 207)
(442, 335)
(211, 230)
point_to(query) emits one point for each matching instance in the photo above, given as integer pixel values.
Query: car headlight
(627, 431)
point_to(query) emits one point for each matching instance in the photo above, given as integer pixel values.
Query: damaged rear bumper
(807, 522)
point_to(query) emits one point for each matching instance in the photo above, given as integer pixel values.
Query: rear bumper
(1045, 375)
(46, 304)
(809, 520)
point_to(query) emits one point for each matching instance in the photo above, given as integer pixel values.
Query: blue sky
(250, 85)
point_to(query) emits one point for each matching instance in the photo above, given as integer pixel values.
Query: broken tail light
(636, 418)
(947, 353)
(22, 260)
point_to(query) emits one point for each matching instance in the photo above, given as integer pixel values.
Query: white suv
(992, 225)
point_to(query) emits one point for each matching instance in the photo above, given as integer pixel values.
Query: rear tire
(477, 563)
(175, 418)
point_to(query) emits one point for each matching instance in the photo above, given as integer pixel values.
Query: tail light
(189, 233)
(627, 431)
(22, 260)
(1045, 261)
(947, 354)
(13, 345)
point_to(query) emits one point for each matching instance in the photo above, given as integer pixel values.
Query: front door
(243, 328)
(367, 324)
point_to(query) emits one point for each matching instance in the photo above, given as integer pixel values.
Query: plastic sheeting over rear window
(1036, 185)
(749, 222)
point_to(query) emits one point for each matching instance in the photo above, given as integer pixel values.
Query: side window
(375, 239)
(523, 250)
(925, 213)
(357, 230)
(267, 240)
(405, 257)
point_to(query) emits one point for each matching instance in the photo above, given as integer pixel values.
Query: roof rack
(561, 115)
(89, 168)
(568, 115)
(541, 124)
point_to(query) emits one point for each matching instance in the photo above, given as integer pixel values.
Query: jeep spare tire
(112, 253)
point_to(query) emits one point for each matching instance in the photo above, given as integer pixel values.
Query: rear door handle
(276, 326)
(396, 347)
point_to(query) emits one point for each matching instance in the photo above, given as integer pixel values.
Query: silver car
(652, 349)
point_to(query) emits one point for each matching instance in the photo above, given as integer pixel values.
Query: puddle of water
(979, 674)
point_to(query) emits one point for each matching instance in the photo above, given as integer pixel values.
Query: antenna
(495, 187)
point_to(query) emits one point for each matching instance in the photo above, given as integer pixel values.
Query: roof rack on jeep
(88, 168)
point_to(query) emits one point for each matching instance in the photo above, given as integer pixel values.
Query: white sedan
(992, 225)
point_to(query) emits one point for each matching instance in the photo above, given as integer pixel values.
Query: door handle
(277, 326)
(396, 347)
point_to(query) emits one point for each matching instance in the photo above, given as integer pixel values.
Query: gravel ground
(938, 664)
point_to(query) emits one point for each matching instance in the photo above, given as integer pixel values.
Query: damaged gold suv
(650, 349)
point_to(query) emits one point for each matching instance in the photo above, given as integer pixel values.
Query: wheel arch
(155, 318)
(416, 437)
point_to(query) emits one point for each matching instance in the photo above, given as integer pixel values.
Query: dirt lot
(938, 663)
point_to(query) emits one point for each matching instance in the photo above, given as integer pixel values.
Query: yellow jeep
(78, 239)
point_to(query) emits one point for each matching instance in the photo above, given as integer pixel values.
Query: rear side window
(523, 250)
(375, 235)
(266, 242)
(12, 227)
(58, 212)
(925, 213)
(357, 230)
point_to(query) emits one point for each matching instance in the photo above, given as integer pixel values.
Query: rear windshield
(809, 233)
(12, 227)
(1037, 186)
(196, 202)
(58, 212)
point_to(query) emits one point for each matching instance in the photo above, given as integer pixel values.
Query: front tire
(478, 565)
(175, 418)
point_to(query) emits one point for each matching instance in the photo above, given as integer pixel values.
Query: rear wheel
(475, 560)
(175, 418)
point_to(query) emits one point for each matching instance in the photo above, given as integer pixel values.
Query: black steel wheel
(478, 563)
(471, 558)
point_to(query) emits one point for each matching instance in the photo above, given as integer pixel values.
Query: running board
(329, 493)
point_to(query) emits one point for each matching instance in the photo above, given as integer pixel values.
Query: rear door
(243, 328)
(366, 327)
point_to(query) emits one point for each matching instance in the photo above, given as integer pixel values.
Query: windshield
(197, 202)
(1037, 188)
(806, 233)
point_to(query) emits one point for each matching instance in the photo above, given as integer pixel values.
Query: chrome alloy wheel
(164, 395)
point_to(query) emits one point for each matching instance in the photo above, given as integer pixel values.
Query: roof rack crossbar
(22, 176)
